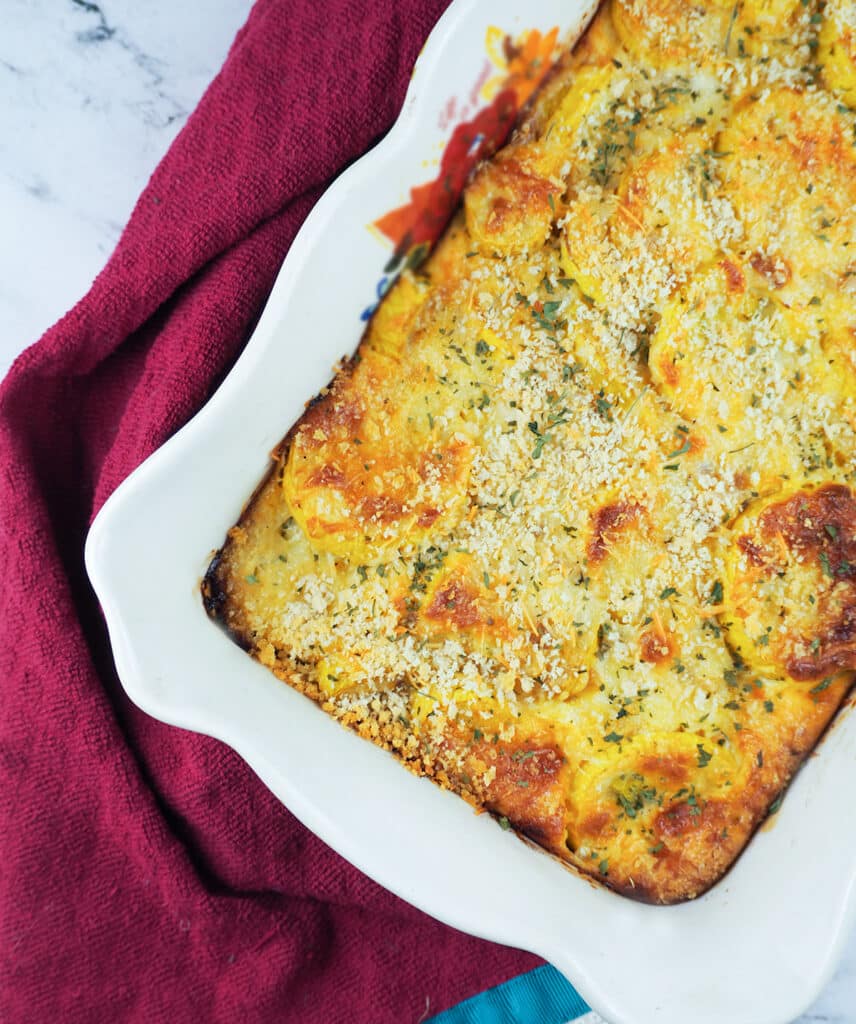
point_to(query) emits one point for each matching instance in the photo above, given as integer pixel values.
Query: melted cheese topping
(576, 532)
(837, 48)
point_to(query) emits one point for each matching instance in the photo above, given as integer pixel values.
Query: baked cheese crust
(574, 533)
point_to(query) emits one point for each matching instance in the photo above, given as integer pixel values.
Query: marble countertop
(91, 96)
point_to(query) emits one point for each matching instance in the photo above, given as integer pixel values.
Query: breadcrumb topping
(503, 544)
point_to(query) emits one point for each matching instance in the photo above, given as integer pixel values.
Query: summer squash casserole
(574, 532)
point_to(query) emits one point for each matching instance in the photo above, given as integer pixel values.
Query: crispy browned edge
(214, 596)
(378, 725)
(383, 730)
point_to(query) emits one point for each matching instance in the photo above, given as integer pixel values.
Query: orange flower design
(416, 226)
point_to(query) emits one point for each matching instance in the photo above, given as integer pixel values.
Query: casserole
(630, 677)
(192, 676)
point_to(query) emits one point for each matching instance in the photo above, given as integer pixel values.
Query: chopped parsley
(546, 316)
(633, 795)
(603, 407)
(685, 447)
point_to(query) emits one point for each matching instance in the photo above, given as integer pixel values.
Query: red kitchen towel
(145, 873)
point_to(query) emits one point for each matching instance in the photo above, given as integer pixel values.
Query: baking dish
(757, 948)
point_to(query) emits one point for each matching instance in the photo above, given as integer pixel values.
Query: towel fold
(145, 873)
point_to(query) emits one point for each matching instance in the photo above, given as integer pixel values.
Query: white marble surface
(91, 95)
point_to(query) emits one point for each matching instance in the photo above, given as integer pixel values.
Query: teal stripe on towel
(541, 996)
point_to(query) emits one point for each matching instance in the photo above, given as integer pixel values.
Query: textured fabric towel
(145, 873)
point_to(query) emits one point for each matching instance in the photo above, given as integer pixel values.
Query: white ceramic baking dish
(757, 949)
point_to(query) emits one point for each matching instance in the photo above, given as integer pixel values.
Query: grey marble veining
(91, 96)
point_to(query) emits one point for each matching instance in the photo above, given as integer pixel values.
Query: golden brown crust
(792, 585)
(575, 533)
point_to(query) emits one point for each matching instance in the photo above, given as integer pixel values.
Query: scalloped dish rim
(756, 949)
